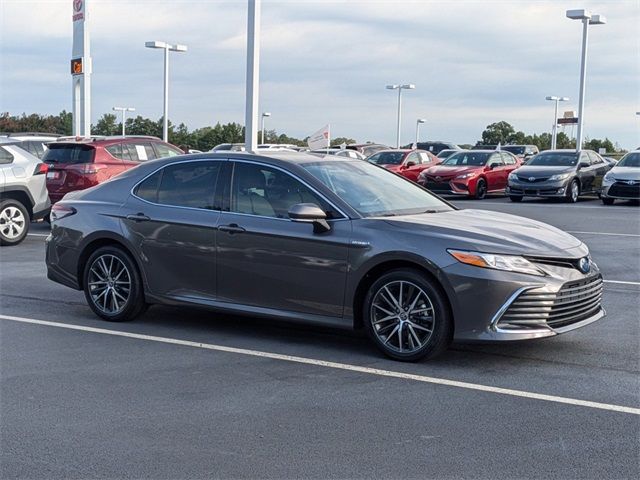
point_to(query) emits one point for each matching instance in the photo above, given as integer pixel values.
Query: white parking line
(338, 366)
(621, 282)
(37, 234)
(607, 233)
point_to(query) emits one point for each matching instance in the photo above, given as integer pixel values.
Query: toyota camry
(335, 242)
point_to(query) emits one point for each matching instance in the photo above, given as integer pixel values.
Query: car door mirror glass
(310, 213)
(410, 163)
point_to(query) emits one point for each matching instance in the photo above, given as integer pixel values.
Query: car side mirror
(582, 165)
(494, 165)
(310, 213)
(410, 164)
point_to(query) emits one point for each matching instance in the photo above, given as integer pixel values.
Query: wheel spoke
(419, 327)
(383, 309)
(385, 319)
(392, 333)
(413, 336)
(400, 325)
(390, 300)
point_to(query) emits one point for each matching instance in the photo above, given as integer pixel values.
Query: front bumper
(492, 305)
(537, 189)
(446, 188)
(621, 190)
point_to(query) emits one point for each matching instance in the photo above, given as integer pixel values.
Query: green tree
(595, 145)
(107, 125)
(336, 142)
(498, 132)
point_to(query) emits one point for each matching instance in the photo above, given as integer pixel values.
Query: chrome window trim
(171, 164)
(345, 216)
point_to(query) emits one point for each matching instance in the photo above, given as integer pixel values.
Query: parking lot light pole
(554, 131)
(167, 48)
(418, 122)
(587, 19)
(264, 115)
(408, 86)
(124, 111)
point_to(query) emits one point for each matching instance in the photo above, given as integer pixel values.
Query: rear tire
(515, 198)
(14, 222)
(113, 286)
(481, 189)
(406, 316)
(607, 201)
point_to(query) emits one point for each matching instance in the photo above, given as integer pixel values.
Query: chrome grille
(574, 302)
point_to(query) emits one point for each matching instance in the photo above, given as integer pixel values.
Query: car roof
(99, 140)
(31, 134)
(9, 141)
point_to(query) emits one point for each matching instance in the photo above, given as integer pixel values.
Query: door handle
(231, 228)
(138, 217)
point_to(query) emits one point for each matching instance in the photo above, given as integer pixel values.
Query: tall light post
(167, 48)
(124, 111)
(587, 19)
(554, 131)
(254, 12)
(264, 115)
(418, 122)
(408, 86)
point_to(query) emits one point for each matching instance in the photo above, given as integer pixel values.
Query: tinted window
(69, 154)
(182, 185)
(374, 191)
(387, 158)
(468, 158)
(34, 147)
(595, 158)
(129, 151)
(496, 159)
(516, 150)
(5, 156)
(413, 157)
(268, 192)
(554, 159)
(116, 151)
(508, 159)
(166, 150)
(630, 160)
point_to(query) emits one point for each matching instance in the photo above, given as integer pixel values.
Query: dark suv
(80, 164)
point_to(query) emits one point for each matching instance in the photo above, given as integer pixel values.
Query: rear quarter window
(5, 156)
(69, 154)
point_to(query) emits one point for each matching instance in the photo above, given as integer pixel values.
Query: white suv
(23, 191)
(34, 143)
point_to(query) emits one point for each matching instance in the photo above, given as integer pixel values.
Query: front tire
(573, 191)
(607, 201)
(14, 222)
(515, 198)
(113, 286)
(406, 316)
(481, 189)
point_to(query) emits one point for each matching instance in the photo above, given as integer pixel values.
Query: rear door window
(166, 150)
(508, 159)
(116, 151)
(5, 156)
(69, 154)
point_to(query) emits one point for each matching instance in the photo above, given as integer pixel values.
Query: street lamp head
(408, 86)
(155, 44)
(553, 99)
(178, 48)
(564, 99)
(598, 20)
(392, 87)
(421, 120)
(579, 14)
(266, 114)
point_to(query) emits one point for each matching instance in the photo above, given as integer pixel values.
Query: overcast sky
(473, 62)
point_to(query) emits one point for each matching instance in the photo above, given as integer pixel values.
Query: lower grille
(623, 190)
(528, 180)
(437, 187)
(574, 302)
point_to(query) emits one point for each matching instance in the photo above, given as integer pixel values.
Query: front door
(171, 221)
(266, 260)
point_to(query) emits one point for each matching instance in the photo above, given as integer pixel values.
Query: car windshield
(373, 191)
(630, 160)
(514, 150)
(554, 159)
(468, 158)
(387, 158)
(71, 154)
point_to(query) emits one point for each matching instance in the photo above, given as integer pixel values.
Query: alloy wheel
(12, 222)
(402, 316)
(109, 284)
(575, 191)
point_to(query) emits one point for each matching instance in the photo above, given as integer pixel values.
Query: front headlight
(561, 176)
(609, 177)
(509, 263)
(513, 176)
(466, 175)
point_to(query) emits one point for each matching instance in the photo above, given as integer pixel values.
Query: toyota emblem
(630, 182)
(438, 179)
(532, 179)
(585, 265)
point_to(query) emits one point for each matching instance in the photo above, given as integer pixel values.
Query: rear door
(412, 171)
(600, 168)
(171, 221)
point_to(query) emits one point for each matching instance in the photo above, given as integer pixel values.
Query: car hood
(625, 173)
(445, 170)
(537, 171)
(493, 232)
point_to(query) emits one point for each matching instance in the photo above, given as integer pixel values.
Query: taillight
(41, 168)
(61, 211)
(92, 167)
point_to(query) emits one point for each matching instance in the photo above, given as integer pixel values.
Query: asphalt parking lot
(183, 393)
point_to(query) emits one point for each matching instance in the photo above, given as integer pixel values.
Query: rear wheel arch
(380, 269)
(97, 243)
(21, 197)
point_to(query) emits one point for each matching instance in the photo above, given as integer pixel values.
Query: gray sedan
(326, 241)
(623, 180)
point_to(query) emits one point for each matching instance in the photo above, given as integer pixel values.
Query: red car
(83, 163)
(406, 162)
(473, 173)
